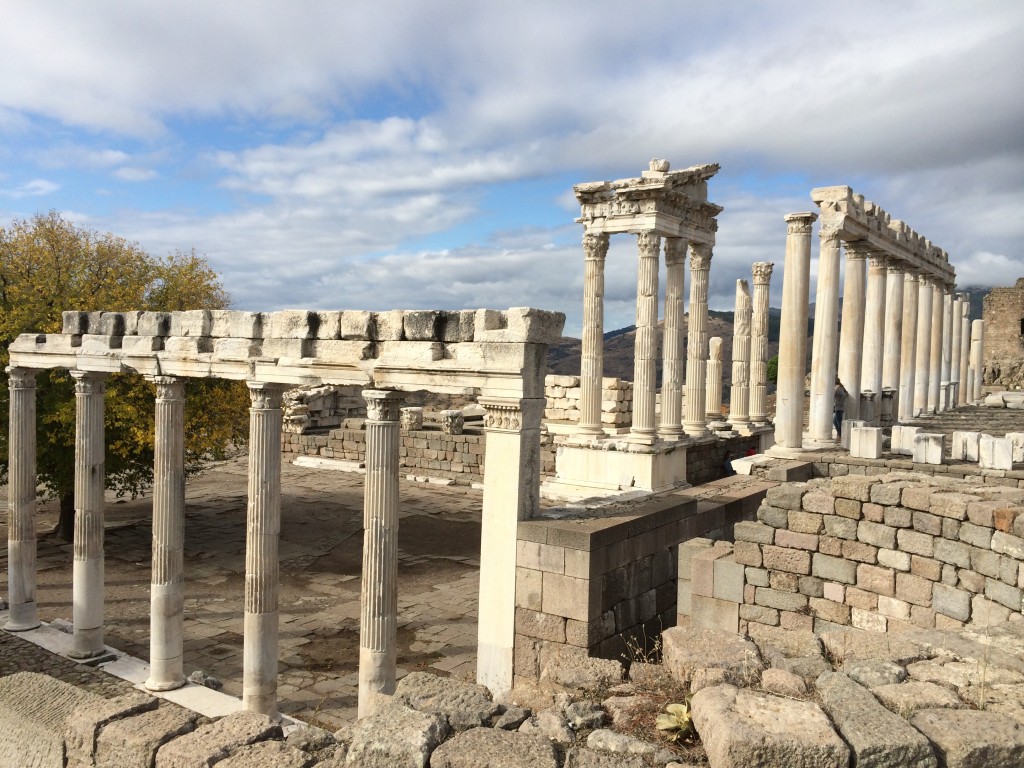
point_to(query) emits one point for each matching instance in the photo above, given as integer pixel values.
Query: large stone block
(965, 446)
(293, 324)
(995, 453)
(134, 741)
(495, 746)
(687, 649)
(214, 741)
(466, 705)
(235, 324)
(928, 448)
(866, 442)
(902, 441)
(192, 322)
(396, 735)
(965, 738)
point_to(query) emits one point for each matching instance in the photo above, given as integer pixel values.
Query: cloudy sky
(393, 154)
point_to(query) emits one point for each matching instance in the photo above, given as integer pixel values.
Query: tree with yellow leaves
(48, 265)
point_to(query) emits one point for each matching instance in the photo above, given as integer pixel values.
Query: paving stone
(621, 743)
(268, 754)
(624, 708)
(876, 736)
(686, 649)
(1006, 699)
(874, 672)
(466, 705)
(741, 728)
(852, 644)
(490, 748)
(965, 738)
(789, 642)
(551, 724)
(134, 741)
(783, 682)
(960, 674)
(583, 757)
(213, 742)
(86, 722)
(907, 697)
(807, 667)
(572, 668)
(397, 735)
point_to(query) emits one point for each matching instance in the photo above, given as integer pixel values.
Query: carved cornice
(595, 246)
(383, 404)
(762, 272)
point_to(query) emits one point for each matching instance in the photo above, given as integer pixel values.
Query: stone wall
(320, 407)
(705, 460)
(1003, 313)
(835, 464)
(563, 400)
(882, 553)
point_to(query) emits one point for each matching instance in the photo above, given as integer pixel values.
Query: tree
(772, 372)
(48, 265)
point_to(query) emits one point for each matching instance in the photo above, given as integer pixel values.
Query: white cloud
(129, 173)
(33, 188)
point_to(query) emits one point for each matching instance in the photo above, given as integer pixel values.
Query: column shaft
(378, 625)
(965, 351)
(908, 348)
(935, 355)
(511, 494)
(922, 368)
(892, 345)
(956, 330)
(697, 341)
(874, 329)
(595, 248)
(672, 345)
(977, 359)
(947, 348)
(851, 341)
(739, 392)
(21, 501)
(645, 359)
(826, 340)
(87, 610)
(713, 380)
(263, 529)
(796, 271)
(167, 588)
(762, 273)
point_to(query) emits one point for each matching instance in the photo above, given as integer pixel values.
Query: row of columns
(902, 333)
(513, 435)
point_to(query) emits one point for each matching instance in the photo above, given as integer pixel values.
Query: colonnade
(902, 346)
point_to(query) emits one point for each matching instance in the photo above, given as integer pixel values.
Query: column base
(22, 618)
(87, 643)
(817, 443)
(671, 435)
(156, 685)
(642, 438)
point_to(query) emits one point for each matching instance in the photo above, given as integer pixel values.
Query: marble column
(874, 330)
(935, 355)
(956, 330)
(762, 273)
(87, 601)
(922, 368)
(796, 276)
(378, 624)
(965, 350)
(645, 356)
(167, 587)
(977, 360)
(511, 494)
(947, 347)
(851, 341)
(893, 333)
(908, 347)
(263, 530)
(595, 248)
(21, 500)
(671, 427)
(697, 341)
(826, 340)
(713, 380)
(739, 392)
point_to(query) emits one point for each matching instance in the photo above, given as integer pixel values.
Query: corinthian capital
(762, 271)
(649, 243)
(675, 250)
(700, 256)
(595, 246)
(383, 404)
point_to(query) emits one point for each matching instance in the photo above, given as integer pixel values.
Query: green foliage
(48, 265)
(772, 373)
(677, 721)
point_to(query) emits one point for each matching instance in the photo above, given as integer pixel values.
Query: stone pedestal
(825, 342)
(646, 345)
(713, 380)
(866, 442)
(908, 349)
(167, 590)
(762, 271)
(582, 473)
(87, 602)
(739, 393)
(263, 529)
(671, 427)
(379, 601)
(789, 411)
(694, 423)
(851, 342)
(21, 501)
(595, 248)
(902, 441)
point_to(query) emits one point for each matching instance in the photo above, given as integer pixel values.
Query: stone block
(952, 602)
(819, 502)
(849, 508)
(972, 738)
(747, 553)
(566, 596)
(902, 441)
(233, 324)
(787, 496)
(859, 552)
(687, 649)
(457, 326)
(840, 527)
(925, 567)
(805, 522)
(795, 540)
(915, 542)
(855, 487)
(714, 613)
(543, 626)
(876, 534)
(1007, 544)
(422, 325)
(269, 754)
(213, 742)
(789, 560)
(866, 442)
(892, 558)
(927, 523)
(1004, 594)
(134, 741)
(834, 569)
(1017, 441)
(892, 608)
(965, 446)
(954, 552)
(783, 601)
(914, 589)
(928, 448)
(848, 426)
(397, 735)
(995, 453)
(881, 581)
(194, 322)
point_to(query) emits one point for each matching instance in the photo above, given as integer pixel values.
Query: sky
(381, 155)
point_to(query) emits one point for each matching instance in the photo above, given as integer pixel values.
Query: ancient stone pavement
(321, 542)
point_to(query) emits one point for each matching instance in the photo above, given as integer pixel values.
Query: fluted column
(762, 272)
(977, 359)
(965, 350)
(955, 332)
(893, 333)
(947, 348)
(671, 427)
(263, 530)
(922, 368)
(87, 601)
(511, 494)
(713, 380)
(874, 330)
(739, 392)
(595, 249)
(851, 340)
(645, 349)
(167, 588)
(825, 344)
(908, 347)
(796, 276)
(21, 500)
(935, 355)
(378, 624)
(697, 341)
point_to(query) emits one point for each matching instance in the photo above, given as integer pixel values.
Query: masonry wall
(1003, 313)
(836, 464)
(883, 553)
(563, 400)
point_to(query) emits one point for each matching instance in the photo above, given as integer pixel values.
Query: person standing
(839, 407)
